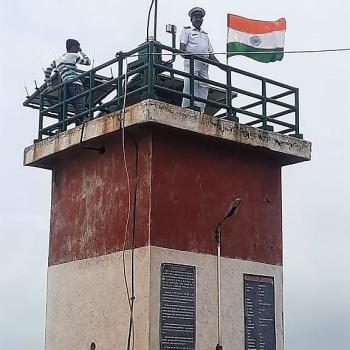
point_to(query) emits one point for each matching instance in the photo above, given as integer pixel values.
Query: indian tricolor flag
(260, 40)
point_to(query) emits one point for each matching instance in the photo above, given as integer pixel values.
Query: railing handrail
(151, 66)
(225, 67)
(97, 68)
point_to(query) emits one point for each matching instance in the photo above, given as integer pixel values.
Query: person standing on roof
(66, 66)
(196, 41)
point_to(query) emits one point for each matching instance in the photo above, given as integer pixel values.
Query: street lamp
(230, 212)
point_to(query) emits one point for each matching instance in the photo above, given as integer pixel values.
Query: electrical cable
(101, 149)
(148, 20)
(131, 299)
(131, 320)
(122, 121)
(244, 52)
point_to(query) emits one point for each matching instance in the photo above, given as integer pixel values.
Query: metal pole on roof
(155, 19)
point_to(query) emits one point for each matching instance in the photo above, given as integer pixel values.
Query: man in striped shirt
(66, 66)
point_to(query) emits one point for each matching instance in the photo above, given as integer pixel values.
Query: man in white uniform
(195, 40)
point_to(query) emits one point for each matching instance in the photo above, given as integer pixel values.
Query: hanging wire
(231, 54)
(131, 331)
(244, 52)
(122, 123)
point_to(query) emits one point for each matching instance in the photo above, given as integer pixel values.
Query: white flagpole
(226, 45)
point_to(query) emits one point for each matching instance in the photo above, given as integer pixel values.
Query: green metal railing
(264, 110)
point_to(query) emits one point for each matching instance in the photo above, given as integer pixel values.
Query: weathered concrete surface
(232, 297)
(185, 183)
(187, 167)
(194, 180)
(90, 198)
(87, 301)
(291, 149)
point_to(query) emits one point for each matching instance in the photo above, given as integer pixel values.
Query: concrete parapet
(289, 149)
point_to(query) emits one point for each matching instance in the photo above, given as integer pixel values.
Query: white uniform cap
(196, 9)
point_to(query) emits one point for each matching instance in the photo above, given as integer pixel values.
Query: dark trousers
(79, 103)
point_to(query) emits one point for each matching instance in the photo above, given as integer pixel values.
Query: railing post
(91, 94)
(231, 114)
(150, 51)
(264, 107)
(150, 80)
(296, 101)
(192, 82)
(119, 82)
(64, 108)
(41, 116)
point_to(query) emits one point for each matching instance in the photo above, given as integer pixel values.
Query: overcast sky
(316, 221)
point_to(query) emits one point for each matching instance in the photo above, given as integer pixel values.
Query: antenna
(93, 60)
(42, 67)
(24, 83)
(36, 85)
(25, 88)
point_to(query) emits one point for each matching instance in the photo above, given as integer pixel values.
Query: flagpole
(227, 40)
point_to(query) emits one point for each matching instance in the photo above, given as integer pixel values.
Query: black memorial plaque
(259, 313)
(177, 307)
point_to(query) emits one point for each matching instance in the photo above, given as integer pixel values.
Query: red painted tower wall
(186, 182)
(195, 180)
(90, 199)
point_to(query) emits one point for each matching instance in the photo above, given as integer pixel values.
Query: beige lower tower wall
(87, 302)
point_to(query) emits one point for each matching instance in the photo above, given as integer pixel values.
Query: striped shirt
(66, 66)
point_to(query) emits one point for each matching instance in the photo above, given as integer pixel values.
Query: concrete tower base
(88, 301)
(184, 169)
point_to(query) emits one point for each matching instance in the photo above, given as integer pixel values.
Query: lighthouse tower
(132, 249)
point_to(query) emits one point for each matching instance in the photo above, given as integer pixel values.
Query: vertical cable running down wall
(130, 296)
